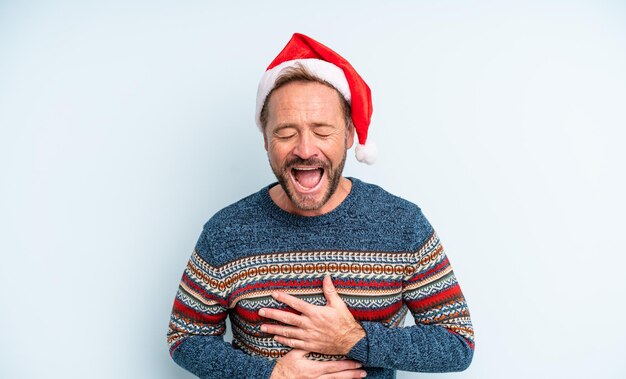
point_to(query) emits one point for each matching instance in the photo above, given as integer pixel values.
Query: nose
(305, 147)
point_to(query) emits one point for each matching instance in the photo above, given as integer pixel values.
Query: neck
(280, 198)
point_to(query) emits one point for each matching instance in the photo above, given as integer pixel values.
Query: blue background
(124, 125)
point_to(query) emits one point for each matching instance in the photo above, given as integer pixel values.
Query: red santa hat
(332, 68)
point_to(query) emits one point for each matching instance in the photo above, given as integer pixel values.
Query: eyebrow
(321, 124)
(293, 126)
(284, 126)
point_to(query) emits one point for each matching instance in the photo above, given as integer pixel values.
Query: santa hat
(330, 67)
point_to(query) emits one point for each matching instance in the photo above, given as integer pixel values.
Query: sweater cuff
(360, 351)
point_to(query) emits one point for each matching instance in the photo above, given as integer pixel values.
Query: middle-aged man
(318, 271)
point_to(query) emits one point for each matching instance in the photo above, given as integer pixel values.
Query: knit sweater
(383, 256)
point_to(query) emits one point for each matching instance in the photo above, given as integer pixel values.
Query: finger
(281, 316)
(337, 366)
(297, 353)
(342, 369)
(345, 374)
(291, 342)
(285, 331)
(330, 293)
(292, 301)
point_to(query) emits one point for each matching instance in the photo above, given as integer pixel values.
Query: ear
(264, 140)
(350, 139)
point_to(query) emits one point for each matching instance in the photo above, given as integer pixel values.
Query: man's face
(306, 140)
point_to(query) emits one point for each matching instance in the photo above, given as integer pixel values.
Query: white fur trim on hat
(366, 153)
(325, 71)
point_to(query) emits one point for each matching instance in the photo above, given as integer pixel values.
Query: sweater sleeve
(442, 339)
(197, 325)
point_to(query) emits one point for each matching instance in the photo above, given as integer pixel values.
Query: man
(317, 272)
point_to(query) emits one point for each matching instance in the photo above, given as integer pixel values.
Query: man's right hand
(295, 364)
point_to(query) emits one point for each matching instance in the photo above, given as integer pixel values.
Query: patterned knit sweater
(382, 254)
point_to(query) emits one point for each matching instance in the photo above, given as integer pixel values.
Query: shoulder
(222, 233)
(236, 213)
(393, 213)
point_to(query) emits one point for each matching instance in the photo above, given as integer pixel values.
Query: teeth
(307, 168)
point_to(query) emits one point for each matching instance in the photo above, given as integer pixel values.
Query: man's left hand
(329, 329)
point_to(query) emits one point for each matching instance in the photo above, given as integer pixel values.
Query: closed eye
(323, 135)
(285, 136)
(284, 133)
(324, 131)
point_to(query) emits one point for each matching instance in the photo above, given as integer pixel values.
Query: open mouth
(307, 179)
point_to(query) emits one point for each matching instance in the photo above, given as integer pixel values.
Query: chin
(308, 201)
(308, 184)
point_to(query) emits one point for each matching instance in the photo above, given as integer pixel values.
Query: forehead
(304, 101)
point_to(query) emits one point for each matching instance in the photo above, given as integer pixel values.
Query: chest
(370, 283)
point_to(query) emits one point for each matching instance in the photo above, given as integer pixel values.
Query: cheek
(277, 151)
(336, 147)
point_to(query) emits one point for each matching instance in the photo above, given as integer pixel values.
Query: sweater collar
(279, 214)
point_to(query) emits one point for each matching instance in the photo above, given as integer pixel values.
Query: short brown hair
(298, 73)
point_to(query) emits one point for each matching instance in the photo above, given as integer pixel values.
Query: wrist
(277, 371)
(356, 334)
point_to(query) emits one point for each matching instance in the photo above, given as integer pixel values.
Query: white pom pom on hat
(329, 66)
(366, 153)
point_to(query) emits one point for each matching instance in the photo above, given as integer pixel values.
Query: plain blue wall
(124, 125)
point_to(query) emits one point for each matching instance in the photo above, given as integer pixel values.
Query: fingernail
(358, 365)
(275, 294)
(363, 374)
(262, 312)
(264, 328)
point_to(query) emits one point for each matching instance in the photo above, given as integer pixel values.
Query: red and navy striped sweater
(385, 260)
